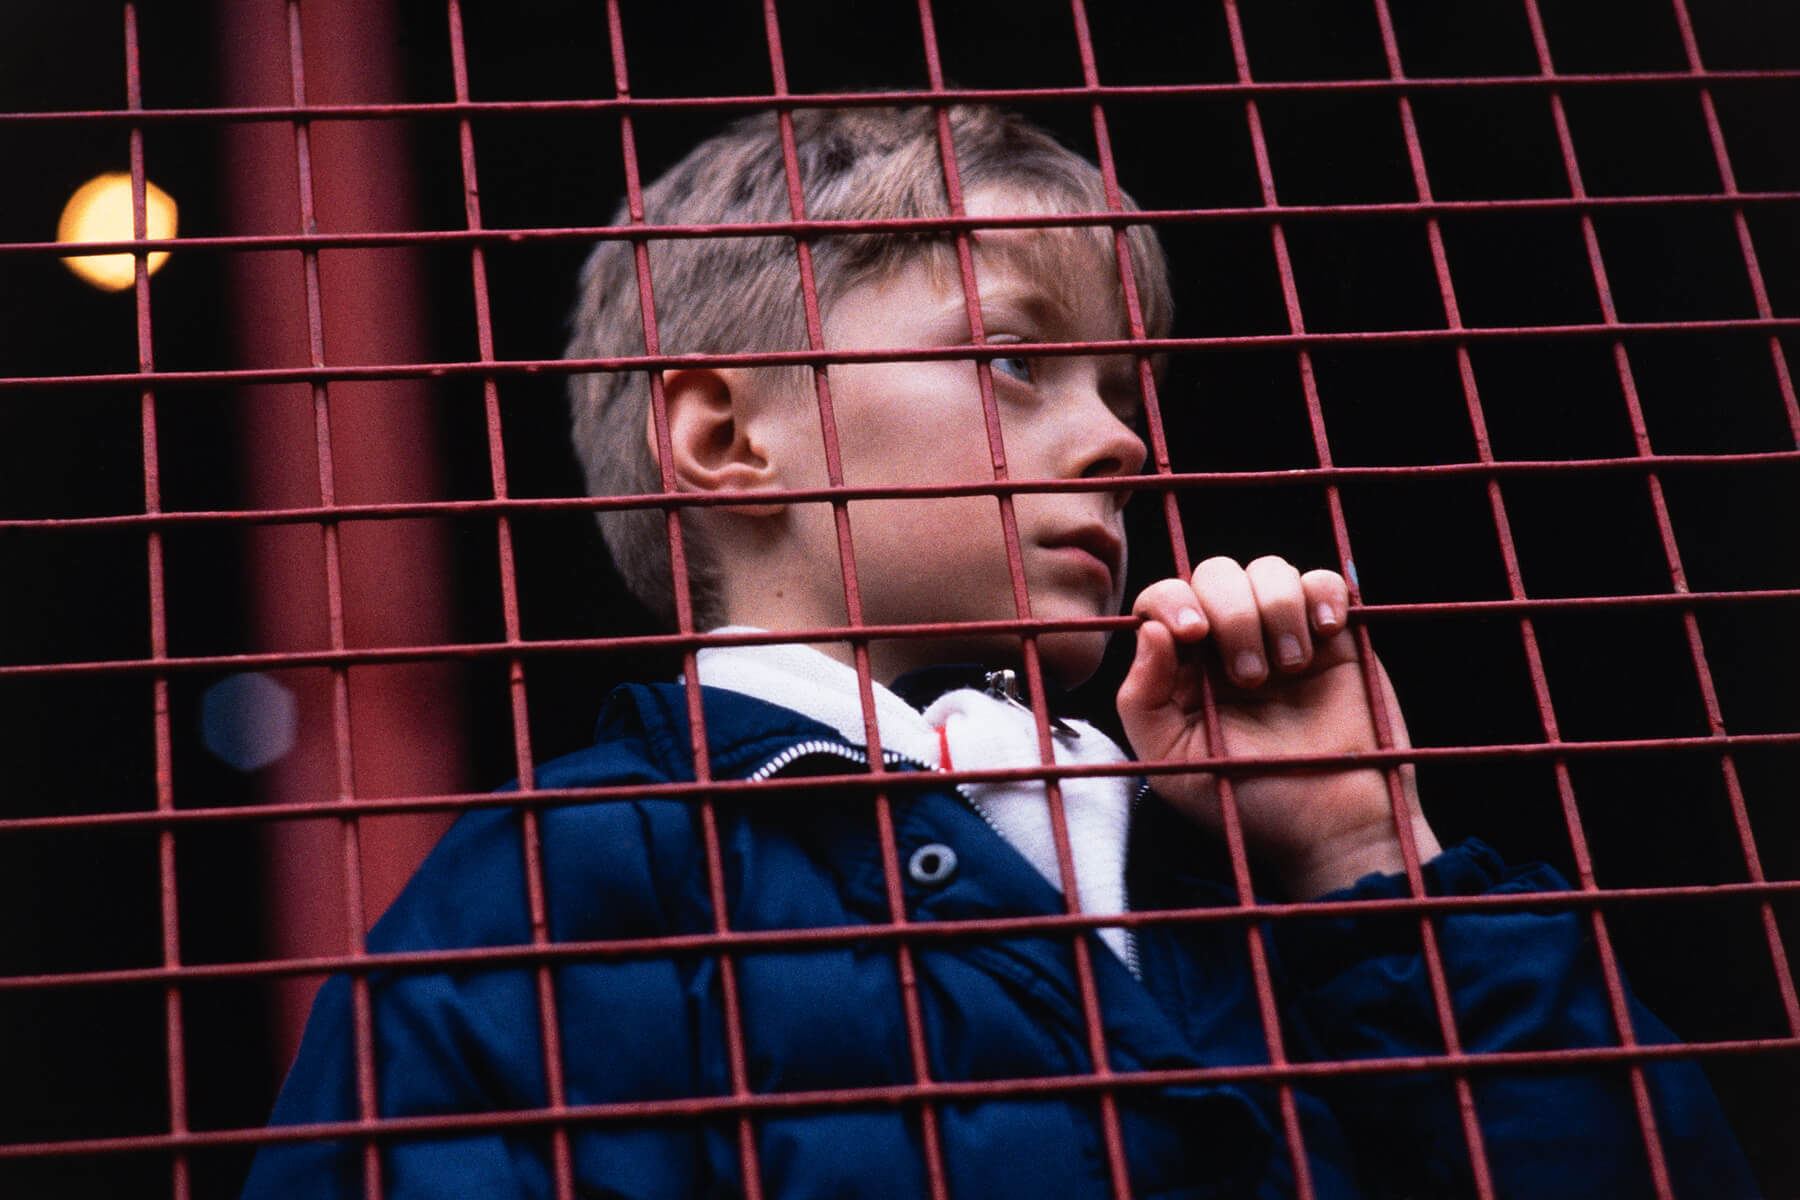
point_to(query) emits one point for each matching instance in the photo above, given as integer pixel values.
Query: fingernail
(1287, 649)
(1187, 618)
(1248, 666)
(1327, 615)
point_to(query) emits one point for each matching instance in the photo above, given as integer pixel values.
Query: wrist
(1338, 860)
(1335, 867)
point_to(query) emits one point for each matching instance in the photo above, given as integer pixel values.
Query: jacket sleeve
(1520, 980)
(468, 1039)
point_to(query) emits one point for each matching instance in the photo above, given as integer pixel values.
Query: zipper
(853, 754)
(962, 789)
(800, 750)
(1131, 939)
(859, 756)
(1004, 685)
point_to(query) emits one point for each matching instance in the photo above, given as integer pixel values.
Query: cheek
(960, 530)
(916, 423)
(944, 547)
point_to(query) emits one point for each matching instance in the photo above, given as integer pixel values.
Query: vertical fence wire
(1092, 1022)
(1134, 308)
(1734, 790)
(1510, 560)
(905, 964)
(1677, 574)
(684, 617)
(355, 921)
(1434, 965)
(169, 891)
(550, 1026)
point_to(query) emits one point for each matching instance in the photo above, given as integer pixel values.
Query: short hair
(735, 294)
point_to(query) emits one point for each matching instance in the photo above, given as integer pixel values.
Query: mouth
(1097, 542)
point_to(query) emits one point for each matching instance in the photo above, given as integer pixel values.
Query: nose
(1106, 445)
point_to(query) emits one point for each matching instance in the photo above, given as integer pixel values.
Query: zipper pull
(1004, 685)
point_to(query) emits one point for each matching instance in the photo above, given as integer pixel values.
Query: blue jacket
(651, 1027)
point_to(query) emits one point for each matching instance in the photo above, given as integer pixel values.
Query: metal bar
(833, 633)
(1134, 309)
(659, 361)
(279, 113)
(406, 725)
(1784, 976)
(1382, 719)
(1173, 480)
(1478, 426)
(1244, 765)
(1659, 1172)
(892, 1094)
(367, 1104)
(174, 1032)
(1112, 1134)
(684, 618)
(1181, 216)
(905, 967)
(685, 945)
(530, 834)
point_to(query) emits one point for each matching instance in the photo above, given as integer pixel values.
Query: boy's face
(929, 560)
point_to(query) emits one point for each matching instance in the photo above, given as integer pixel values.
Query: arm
(468, 1040)
(1520, 980)
(1292, 683)
(1357, 986)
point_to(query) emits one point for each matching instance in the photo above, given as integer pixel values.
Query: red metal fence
(1487, 305)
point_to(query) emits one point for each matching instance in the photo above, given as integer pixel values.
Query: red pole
(364, 583)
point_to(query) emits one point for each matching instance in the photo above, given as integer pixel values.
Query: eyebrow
(1030, 300)
(1015, 284)
(1016, 294)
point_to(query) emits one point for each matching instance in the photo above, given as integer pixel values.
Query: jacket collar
(991, 880)
(742, 732)
(810, 682)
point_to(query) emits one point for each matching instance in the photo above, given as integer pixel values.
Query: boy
(684, 1029)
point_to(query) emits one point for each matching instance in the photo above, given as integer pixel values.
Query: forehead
(1055, 284)
(1069, 275)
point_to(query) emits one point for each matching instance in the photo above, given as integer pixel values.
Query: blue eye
(1016, 367)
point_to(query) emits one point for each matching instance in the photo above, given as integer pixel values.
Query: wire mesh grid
(1487, 309)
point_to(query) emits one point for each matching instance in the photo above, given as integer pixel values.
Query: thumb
(1146, 697)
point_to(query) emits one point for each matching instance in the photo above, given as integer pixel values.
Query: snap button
(932, 864)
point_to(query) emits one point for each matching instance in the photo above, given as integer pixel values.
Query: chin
(1071, 658)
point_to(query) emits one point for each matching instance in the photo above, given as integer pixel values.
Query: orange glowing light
(100, 211)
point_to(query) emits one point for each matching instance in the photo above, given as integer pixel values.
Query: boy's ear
(709, 436)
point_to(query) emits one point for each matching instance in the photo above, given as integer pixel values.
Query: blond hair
(735, 294)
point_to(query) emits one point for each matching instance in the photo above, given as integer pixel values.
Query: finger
(1281, 601)
(1172, 602)
(1328, 605)
(1229, 602)
(1150, 681)
(1327, 600)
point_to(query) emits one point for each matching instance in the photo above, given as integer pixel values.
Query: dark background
(90, 1061)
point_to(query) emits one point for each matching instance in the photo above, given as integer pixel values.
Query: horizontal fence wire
(453, 370)
(213, 564)
(887, 96)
